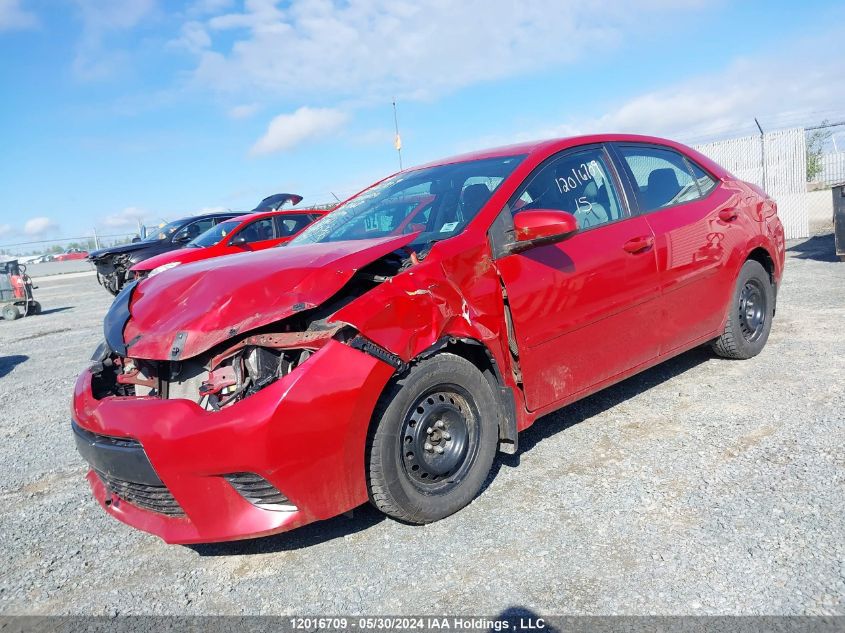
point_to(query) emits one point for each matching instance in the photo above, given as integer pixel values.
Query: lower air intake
(259, 492)
(153, 498)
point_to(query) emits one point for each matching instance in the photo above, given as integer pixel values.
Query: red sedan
(380, 359)
(250, 232)
(70, 255)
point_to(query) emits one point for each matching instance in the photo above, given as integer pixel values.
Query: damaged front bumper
(285, 456)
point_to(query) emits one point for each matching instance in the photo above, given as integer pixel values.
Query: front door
(583, 310)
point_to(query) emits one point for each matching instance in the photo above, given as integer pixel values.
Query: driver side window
(577, 182)
(258, 231)
(193, 230)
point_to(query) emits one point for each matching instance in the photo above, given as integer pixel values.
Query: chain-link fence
(53, 247)
(796, 166)
(825, 169)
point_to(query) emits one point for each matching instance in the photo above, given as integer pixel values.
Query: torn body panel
(413, 311)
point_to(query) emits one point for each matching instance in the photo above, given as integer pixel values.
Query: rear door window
(287, 225)
(661, 177)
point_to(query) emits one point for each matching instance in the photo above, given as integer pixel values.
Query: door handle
(728, 214)
(639, 244)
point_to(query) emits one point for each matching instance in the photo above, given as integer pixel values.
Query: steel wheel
(433, 441)
(749, 315)
(439, 438)
(752, 310)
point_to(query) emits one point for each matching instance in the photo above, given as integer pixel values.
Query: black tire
(750, 315)
(11, 312)
(434, 437)
(33, 308)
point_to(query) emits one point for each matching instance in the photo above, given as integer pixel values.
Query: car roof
(550, 146)
(270, 214)
(201, 216)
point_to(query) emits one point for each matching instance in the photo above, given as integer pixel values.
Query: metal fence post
(762, 153)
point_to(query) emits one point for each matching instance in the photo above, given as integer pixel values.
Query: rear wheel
(750, 316)
(434, 440)
(11, 312)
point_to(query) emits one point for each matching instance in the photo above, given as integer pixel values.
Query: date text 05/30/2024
(422, 623)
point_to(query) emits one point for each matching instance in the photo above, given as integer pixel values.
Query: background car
(365, 362)
(113, 263)
(71, 254)
(250, 232)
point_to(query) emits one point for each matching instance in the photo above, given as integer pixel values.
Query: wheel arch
(762, 256)
(482, 358)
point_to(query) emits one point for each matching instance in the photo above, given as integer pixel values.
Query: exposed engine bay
(113, 270)
(243, 365)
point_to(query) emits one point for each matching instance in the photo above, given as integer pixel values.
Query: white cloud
(14, 17)
(244, 111)
(127, 218)
(288, 130)
(794, 88)
(193, 38)
(100, 19)
(39, 226)
(6, 229)
(370, 49)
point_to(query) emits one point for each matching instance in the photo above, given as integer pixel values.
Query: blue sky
(113, 111)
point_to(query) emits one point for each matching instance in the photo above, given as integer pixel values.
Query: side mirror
(541, 226)
(238, 240)
(181, 238)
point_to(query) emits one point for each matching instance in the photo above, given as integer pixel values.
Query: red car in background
(392, 348)
(245, 233)
(70, 254)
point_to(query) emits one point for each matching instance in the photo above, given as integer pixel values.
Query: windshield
(437, 201)
(213, 235)
(164, 231)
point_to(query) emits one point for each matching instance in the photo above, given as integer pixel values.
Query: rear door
(683, 205)
(582, 310)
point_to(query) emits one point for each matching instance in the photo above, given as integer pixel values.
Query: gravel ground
(702, 486)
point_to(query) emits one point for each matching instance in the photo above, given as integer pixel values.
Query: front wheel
(11, 312)
(750, 316)
(434, 440)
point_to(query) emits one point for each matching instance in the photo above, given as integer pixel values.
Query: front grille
(259, 492)
(148, 497)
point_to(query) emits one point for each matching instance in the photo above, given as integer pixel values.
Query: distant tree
(815, 148)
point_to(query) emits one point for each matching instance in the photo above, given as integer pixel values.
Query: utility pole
(397, 142)
(96, 240)
(762, 152)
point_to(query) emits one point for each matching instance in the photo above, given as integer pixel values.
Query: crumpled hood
(185, 311)
(182, 255)
(115, 250)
